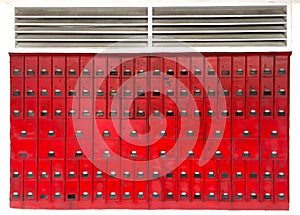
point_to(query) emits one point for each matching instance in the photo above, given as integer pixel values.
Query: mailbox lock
(133, 154)
(127, 113)
(85, 72)
(44, 113)
(239, 175)
(211, 113)
(155, 195)
(246, 154)
(190, 133)
(141, 72)
(23, 134)
(162, 153)
(106, 133)
(99, 195)
(183, 93)
(183, 195)
(190, 154)
(72, 113)
(226, 93)
(57, 92)
(183, 175)
(140, 195)
(239, 92)
(246, 133)
(211, 175)
(239, 196)
(225, 113)
(170, 113)
(170, 93)
(30, 93)
(170, 72)
(133, 134)
(106, 154)
(113, 195)
(197, 195)
(218, 154)
(78, 154)
(126, 174)
(197, 113)
(225, 196)
(58, 72)
(78, 133)
(274, 133)
(253, 196)
(30, 72)
(197, 175)
(156, 174)
(239, 113)
(197, 92)
(211, 195)
(99, 93)
(198, 72)
(211, 93)
(140, 174)
(113, 174)
(16, 113)
(156, 72)
(252, 112)
(127, 72)
(99, 72)
(281, 196)
(170, 195)
(44, 92)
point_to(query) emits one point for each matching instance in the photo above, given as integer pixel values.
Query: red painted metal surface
(173, 131)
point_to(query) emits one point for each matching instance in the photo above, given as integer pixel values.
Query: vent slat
(222, 40)
(219, 24)
(82, 32)
(79, 20)
(81, 17)
(220, 44)
(81, 11)
(219, 16)
(71, 29)
(79, 36)
(80, 44)
(80, 24)
(219, 10)
(218, 32)
(221, 28)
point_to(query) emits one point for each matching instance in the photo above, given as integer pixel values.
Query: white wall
(6, 45)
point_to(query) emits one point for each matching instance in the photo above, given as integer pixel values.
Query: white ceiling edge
(141, 3)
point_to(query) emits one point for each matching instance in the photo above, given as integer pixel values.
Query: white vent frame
(150, 48)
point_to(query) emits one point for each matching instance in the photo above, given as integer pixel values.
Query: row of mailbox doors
(83, 176)
(156, 108)
(242, 149)
(177, 65)
(136, 129)
(251, 87)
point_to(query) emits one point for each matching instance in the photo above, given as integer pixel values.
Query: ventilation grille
(220, 26)
(80, 27)
(166, 26)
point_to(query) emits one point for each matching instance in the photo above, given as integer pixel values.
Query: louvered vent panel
(220, 26)
(169, 26)
(81, 27)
